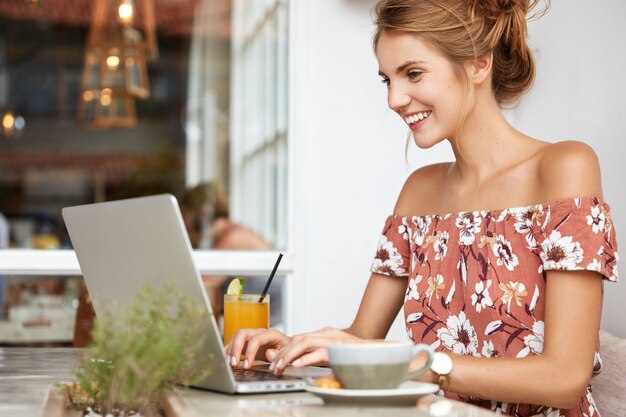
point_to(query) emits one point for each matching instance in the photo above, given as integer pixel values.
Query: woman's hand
(255, 344)
(308, 349)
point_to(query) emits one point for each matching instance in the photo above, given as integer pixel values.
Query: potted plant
(137, 358)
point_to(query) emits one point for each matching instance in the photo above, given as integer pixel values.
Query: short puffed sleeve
(393, 249)
(578, 234)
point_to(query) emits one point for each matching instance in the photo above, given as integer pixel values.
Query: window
(103, 111)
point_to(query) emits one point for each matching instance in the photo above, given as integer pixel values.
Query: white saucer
(406, 394)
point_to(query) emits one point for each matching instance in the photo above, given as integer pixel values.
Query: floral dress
(476, 280)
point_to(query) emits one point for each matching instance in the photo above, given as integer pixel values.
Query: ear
(480, 69)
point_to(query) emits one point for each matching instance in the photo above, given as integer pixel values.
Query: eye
(414, 75)
(385, 81)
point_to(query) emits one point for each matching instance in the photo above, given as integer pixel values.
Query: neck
(486, 145)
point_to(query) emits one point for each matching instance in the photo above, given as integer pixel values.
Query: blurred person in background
(205, 211)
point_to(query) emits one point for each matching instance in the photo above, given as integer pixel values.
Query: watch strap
(443, 381)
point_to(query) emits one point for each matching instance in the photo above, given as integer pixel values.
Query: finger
(270, 354)
(262, 341)
(318, 357)
(237, 344)
(295, 349)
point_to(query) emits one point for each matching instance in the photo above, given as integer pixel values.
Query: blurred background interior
(108, 99)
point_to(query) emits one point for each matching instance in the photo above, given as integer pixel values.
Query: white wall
(350, 147)
(352, 158)
(580, 94)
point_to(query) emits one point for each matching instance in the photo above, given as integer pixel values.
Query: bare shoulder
(419, 189)
(569, 169)
(240, 238)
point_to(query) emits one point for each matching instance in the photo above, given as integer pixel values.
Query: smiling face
(423, 87)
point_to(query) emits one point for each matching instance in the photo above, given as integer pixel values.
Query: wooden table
(26, 374)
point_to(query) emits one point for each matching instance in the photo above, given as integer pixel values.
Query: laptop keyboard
(259, 375)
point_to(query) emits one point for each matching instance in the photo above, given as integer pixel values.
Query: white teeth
(417, 117)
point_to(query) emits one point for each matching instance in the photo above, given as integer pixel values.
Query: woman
(498, 257)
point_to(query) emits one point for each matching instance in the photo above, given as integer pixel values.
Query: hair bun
(507, 6)
(498, 10)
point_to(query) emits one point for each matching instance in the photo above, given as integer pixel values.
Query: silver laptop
(122, 245)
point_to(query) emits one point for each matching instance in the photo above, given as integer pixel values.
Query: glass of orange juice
(244, 311)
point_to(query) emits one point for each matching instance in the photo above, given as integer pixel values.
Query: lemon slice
(235, 287)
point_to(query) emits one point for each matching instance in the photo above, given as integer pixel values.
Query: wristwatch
(442, 368)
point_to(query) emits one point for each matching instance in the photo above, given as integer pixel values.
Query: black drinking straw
(269, 280)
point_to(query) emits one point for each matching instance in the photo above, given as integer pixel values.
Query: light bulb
(8, 120)
(125, 11)
(19, 123)
(12, 125)
(88, 95)
(105, 100)
(113, 61)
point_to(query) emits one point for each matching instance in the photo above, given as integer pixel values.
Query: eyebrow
(403, 66)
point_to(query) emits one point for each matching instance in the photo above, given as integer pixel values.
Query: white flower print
(489, 351)
(388, 260)
(560, 252)
(459, 335)
(404, 229)
(524, 217)
(596, 220)
(469, 223)
(595, 265)
(411, 291)
(551, 412)
(462, 266)
(421, 228)
(414, 318)
(441, 245)
(533, 301)
(592, 404)
(533, 341)
(500, 407)
(493, 327)
(481, 298)
(451, 293)
(504, 253)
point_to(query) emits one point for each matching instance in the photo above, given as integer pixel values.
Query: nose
(397, 98)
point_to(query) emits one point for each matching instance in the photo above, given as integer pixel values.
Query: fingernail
(246, 364)
(272, 354)
(297, 362)
(278, 365)
(233, 360)
(272, 366)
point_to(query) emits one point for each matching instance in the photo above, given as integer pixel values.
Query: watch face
(442, 363)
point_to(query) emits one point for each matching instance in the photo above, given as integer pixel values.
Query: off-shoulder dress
(476, 279)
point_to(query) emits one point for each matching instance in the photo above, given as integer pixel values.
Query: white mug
(376, 365)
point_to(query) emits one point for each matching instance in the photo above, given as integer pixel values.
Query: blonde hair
(209, 193)
(464, 30)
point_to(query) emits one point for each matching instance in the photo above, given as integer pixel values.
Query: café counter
(27, 373)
